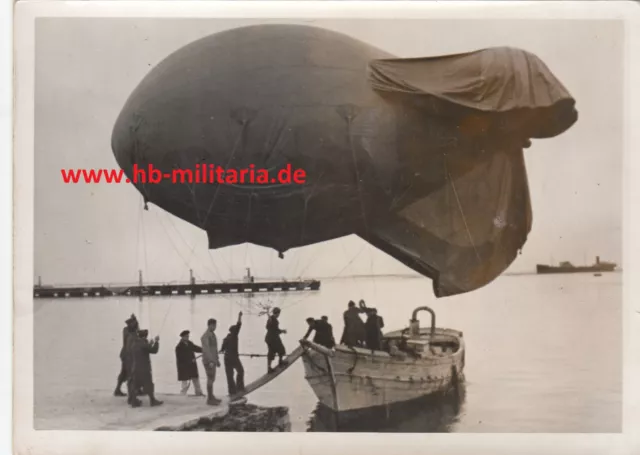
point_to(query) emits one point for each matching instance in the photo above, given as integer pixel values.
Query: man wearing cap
(273, 340)
(232, 361)
(210, 359)
(129, 330)
(141, 374)
(187, 365)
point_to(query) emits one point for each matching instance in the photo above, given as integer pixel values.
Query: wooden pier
(193, 289)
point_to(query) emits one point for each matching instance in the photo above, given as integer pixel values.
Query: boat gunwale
(428, 379)
(383, 357)
(395, 361)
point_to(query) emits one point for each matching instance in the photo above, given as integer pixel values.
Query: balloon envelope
(423, 158)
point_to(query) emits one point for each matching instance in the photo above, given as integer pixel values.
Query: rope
(144, 244)
(464, 218)
(355, 360)
(173, 226)
(362, 207)
(242, 355)
(335, 276)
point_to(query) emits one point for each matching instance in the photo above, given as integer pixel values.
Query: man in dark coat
(130, 330)
(373, 329)
(354, 332)
(273, 340)
(232, 361)
(324, 332)
(141, 375)
(187, 365)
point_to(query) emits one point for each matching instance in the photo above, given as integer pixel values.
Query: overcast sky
(86, 68)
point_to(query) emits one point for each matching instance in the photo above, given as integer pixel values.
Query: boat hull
(357, 379)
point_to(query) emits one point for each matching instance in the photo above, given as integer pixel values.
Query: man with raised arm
(232, 363)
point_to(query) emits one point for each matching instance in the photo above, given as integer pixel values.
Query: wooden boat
(350, 379)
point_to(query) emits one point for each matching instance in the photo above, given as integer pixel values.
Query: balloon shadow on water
(433, 414)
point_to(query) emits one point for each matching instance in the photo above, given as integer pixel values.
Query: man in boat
(129, 330)
(324, 332)
(373, 329)
(210, 359)
(232, 363)
(141, 374)
(354, 331)
(187, 365)
(273, 340)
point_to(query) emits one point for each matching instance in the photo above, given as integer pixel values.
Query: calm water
(544, 353)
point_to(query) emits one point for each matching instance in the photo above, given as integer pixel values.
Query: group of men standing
(188, 368)
(356, 332)
(137, 349)
(136, 364)
(362, 334)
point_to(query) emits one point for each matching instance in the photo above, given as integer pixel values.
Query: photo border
(28, 440)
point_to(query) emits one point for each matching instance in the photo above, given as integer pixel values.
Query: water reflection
(436, 414)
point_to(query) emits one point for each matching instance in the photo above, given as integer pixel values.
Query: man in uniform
(210, 359)
(141, 374)
(130, 330)
(232, 358)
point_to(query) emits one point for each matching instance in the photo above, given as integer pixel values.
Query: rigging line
(215, 194)
(144, 244)
(246, 250)
(215, 267)
(362, 208)
(351, 261)
(223, 260)
(228, 264)
(186, 263)
(315, 258)
(373, 277)
(293, 272)
(335, 276)
(304, 219)
(165, 315)
(353, 278)
(247, 225)
(307, 198)
(358, 181)
(294, 255)
(271, 264)
(170, 221)
(233, 154)
(138, 237)
(464, 218)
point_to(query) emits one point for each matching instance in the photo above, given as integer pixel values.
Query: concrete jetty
(100, 410)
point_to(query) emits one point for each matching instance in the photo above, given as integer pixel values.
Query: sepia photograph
(328, 224)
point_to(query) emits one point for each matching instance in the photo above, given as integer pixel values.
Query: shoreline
(99, 410)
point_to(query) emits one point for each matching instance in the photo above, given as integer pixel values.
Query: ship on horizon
(568, 267)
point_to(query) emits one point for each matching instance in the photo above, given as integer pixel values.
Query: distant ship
(567, 267)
